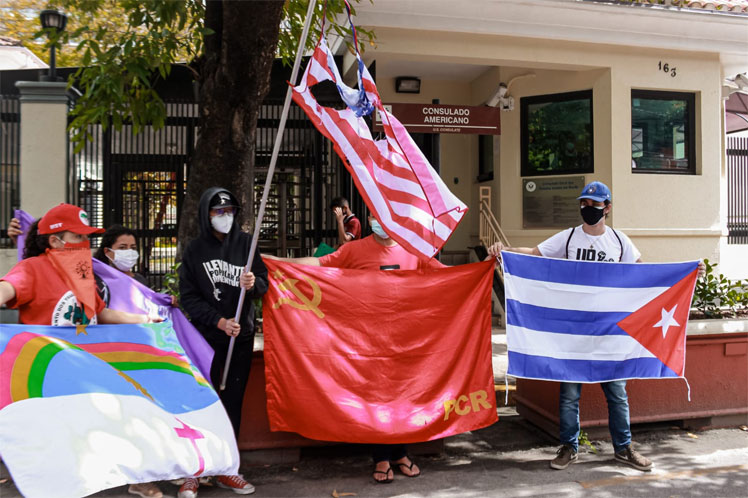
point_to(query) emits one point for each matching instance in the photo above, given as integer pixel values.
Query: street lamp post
(51, 18)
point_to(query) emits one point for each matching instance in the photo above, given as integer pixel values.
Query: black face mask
(591, 214)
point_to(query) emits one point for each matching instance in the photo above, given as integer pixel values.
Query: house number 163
(666, 68)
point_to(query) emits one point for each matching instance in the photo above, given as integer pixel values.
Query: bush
(171, 281)
(716, 296)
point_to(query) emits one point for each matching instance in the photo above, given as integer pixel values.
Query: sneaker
(631, 457)
(145, 490)
(565, 456)
(188, 488)
(235, 483)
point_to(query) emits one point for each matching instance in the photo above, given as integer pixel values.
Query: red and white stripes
(398, 184)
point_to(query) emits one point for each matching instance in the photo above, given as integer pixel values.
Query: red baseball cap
(67, 218)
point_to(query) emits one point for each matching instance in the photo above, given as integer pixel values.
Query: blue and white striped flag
(580, 321)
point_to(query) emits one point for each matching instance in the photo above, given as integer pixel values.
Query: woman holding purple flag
(118, 248)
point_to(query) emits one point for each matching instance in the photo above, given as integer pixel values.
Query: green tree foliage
(19, 19)
(124, 47)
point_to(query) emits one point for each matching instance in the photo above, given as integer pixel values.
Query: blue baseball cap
(597, 191)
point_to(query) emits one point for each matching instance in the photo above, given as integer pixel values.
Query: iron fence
(737, 190)
(308, 176)
(139, 180)
(10, 163)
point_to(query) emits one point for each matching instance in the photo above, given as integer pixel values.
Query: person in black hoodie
(210, 281)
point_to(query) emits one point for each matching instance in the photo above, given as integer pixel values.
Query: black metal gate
(139, 180)
(308, 176)
(10, 162)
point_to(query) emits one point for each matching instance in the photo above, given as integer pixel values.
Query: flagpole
(269, 179)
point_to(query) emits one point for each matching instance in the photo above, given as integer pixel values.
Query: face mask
(222, 223)
(592, 214)
(377, 229)
(85, 244)
(124, 259)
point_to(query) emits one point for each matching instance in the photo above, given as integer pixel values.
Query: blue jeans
(618, 413)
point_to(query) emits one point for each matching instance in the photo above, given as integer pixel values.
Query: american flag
(398, 184)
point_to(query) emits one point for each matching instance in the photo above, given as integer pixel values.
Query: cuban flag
(580, 321)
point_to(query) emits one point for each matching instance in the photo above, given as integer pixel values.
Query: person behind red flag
(45, 289)
(593, 240)
(376, 252)
(347, 225)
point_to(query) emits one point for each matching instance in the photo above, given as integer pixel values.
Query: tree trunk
(234, 80)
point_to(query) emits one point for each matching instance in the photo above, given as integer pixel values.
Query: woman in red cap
(40, 287)
(52, 286)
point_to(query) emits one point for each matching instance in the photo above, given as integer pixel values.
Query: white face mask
(377, 229)
(124, 259)
(222, 223)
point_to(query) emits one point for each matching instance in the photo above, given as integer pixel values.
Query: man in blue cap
(593, 240)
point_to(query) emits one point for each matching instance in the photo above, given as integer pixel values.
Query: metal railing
(737, 190)
(489, 231)
(10, 162)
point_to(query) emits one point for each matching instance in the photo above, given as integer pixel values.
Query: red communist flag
(378, 356)
(660, 325)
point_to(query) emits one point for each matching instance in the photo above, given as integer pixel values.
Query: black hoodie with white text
(209, 276)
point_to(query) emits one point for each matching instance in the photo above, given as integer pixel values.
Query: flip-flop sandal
(409, 467)
(385, 473)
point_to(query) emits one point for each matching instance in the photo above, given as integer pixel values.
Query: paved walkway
(508, 459)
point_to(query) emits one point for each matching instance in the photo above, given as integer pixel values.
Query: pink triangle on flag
(660, 325)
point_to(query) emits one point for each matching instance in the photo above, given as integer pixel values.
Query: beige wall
(44, 108)
(44, 111)
(8, 258)
(670, 217)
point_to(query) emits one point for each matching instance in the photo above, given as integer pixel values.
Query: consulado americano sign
(435, 118)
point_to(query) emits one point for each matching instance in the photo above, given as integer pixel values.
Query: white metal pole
(269, 179)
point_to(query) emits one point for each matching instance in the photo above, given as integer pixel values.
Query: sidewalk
(507, 459)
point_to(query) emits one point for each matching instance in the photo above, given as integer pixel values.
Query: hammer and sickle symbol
(304, 302)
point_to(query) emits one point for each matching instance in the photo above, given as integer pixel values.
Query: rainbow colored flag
(84, 409)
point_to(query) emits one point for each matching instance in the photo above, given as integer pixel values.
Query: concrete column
(44, 149)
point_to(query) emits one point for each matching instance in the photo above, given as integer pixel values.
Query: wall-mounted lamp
(407, 84)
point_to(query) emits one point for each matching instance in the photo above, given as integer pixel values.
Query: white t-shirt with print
(584, 247)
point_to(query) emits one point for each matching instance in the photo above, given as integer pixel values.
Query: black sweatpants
(236, 382)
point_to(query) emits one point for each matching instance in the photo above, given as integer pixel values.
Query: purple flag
(126, 294)
(26, 221)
